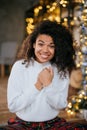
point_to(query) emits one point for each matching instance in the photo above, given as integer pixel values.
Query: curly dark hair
(64, 56)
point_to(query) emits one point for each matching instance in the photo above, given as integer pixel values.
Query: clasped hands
(44, 78)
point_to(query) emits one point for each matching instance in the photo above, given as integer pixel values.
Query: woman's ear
(34, 45)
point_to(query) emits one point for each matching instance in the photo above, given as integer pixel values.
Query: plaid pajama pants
(55, 124)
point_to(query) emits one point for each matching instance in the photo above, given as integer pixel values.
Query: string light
(49, 9)
(44, 10)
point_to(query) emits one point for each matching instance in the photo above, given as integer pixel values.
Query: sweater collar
(40, 64)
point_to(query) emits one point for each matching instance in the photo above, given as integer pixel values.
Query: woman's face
(44, 48)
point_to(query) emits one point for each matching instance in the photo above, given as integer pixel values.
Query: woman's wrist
(39, 85)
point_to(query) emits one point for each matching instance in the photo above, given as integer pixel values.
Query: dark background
(12, 19)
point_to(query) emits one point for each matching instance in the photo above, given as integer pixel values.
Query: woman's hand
(39, 85)
(45, 76)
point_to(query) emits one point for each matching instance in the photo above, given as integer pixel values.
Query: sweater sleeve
(56, 95)
(17, 97)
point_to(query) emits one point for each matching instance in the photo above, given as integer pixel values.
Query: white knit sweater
(29, 103)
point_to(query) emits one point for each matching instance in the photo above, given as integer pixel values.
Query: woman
(39, 80)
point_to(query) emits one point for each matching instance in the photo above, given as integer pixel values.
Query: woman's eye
(52, 46)
(40, 44)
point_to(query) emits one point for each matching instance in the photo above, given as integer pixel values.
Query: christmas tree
(79, 102)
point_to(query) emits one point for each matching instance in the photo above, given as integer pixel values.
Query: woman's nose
(45, 49)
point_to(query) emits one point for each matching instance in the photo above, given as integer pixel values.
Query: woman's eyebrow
(44, 41)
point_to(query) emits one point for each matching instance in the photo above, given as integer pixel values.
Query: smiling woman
(39, 80)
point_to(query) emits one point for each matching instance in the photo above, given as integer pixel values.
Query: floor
(5, 114)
